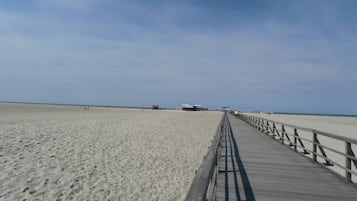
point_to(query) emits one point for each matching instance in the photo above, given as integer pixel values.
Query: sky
(266, 55)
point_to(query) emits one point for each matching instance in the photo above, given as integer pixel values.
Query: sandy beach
(68, 153)
(338, 125)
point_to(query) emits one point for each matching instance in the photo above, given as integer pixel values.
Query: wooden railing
(203, 186)
(307, 141)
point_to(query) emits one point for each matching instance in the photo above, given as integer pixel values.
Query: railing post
(348, 175)
(256, 122)
(260, 125)
(314, 147)
(295, 139)
(274, 130)
(282, 134)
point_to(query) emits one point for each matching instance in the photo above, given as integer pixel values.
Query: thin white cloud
(68, 4)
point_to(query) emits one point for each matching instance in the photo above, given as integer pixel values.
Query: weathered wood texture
(278, 173)
(203, 177)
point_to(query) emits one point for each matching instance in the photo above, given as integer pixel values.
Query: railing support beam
(314, 147)
(348, 175)
(282, 133)
(350, 158)
(295, 139)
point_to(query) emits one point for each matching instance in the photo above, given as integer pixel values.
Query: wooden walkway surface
(268, 170)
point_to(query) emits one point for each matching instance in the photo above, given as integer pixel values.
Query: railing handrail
(202, 179)
(263, 125)
(323, 133)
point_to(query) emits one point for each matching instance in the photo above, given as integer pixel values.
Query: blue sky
(276, 55)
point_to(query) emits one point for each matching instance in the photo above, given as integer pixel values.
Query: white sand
(67, 153)
(342, 126)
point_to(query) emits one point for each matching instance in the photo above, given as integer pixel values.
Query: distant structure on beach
(155, 107)
(226, 108)
(84, 107)
(194, 107)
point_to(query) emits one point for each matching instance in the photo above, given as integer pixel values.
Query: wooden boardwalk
(268, 170)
